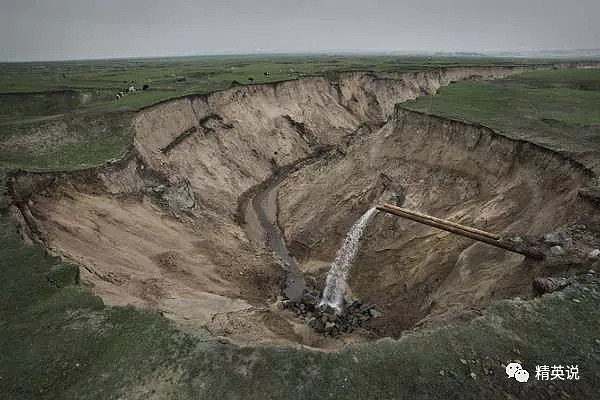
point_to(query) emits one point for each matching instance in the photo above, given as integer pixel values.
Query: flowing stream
(335, 286)
(262, 208)
(295, 282)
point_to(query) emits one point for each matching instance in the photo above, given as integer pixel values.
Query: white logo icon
(522, 376)
(515, 370)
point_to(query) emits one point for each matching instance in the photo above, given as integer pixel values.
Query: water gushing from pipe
(335, 286)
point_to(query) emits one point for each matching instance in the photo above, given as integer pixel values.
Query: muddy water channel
(264, 205)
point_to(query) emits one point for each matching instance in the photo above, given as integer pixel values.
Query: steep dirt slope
(166, 228)
(449, 169)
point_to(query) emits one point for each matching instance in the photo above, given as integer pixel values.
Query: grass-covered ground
(206, 72)
(57, 87)
(166, 77)
(67, 142)
(558, 109)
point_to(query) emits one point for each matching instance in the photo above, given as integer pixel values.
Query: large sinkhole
(223, 196)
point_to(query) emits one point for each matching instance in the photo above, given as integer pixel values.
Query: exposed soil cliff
(449, 169)
(171, 226)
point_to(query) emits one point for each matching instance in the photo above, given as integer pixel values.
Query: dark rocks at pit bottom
(328, 320)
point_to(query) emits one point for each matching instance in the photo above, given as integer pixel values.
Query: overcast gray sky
(58, 29)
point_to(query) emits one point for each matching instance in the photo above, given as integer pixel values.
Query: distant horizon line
(456, 53)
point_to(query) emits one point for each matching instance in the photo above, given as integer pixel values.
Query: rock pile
(327, 320)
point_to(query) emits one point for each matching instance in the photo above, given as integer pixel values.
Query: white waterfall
(335, 287)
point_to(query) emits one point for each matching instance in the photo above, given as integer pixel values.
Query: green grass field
(557, 109)
(200, 71)
(66, 142)
(100, 80)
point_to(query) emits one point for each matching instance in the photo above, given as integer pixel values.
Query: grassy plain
(98, 81)
(559, 109)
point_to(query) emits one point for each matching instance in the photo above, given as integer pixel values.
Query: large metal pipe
(453, 227)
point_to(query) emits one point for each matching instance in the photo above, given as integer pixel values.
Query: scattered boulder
(557, 251)
(594, 253)
(549, 285)
(556, 239)
(374, 313)
(158, 189)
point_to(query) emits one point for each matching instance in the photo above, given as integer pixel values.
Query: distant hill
(576, 53)
(459, 54)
